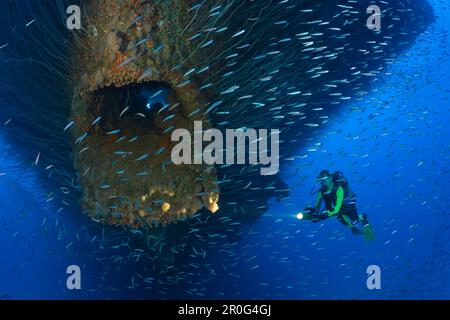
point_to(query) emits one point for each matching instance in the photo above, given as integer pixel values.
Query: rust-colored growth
(129, 43)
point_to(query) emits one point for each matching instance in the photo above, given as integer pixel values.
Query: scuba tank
(339, 180)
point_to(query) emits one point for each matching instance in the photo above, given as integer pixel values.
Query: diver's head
(325, 179)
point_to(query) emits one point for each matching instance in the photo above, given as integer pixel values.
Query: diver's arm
(339, 201)
(318, 201)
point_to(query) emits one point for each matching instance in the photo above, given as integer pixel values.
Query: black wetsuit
(348, 207)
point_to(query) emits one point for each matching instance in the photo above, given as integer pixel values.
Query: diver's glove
(310, 214)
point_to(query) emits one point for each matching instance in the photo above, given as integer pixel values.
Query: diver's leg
(352, 214)
(367, 229)
(349, 218)
(363, 218)
(345, 220)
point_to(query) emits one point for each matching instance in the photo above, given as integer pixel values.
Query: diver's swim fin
(368, 232)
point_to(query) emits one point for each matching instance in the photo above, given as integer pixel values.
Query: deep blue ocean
(392, 145)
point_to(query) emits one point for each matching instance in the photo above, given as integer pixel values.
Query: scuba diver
(333, 191)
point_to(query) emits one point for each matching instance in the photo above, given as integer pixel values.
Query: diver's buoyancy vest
(329, 198)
